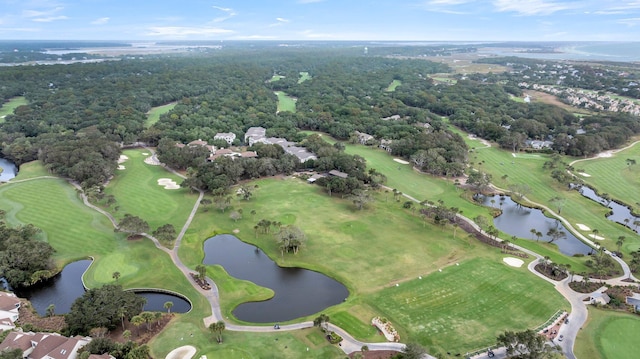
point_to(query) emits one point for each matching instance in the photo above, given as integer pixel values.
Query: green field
(285, 102)
(393, 85)
(304, 76)
(8, 107)
(614, 176)
(154, 114)
(275, 78)
(379, 246)
(608, 334)
(137, 192)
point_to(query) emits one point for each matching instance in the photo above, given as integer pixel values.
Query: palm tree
(595, 232)
(321, 321)
(555, 234)
(636, 223)
(217, 328)
(202, 271)
(620, 242)
(116, 276)
(533, 232)
(168, 305)
(147, 317)
(157, 316)
(505, 245)
(122, 313)
(126, 334)
(137, 321)
(538, 234)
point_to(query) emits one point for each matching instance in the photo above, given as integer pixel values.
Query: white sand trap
(584, 174)
(122, 159)
(513, 154)
(168, 183)
(514, 262)
(401, 161)
(185, 352)
(145, 154)
(596, 237)
(152, 161)
(121, 167)
(582, 227)
(605, 154)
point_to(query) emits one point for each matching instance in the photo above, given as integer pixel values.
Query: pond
(518, 221)
(619, 213)
(298, 292)
(63, 289)
(9, 170)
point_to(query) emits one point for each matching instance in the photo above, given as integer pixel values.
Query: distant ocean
(614, 51)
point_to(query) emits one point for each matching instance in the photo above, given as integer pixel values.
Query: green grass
(444, 79)
(304, 76)
(608, 334)
(8, 107)
(137, 192)
(476, 301)
(154, 114)
(285, 102)
(275, 78)
(393, 85)
(378, 247)
(612, 175)
(516, 98)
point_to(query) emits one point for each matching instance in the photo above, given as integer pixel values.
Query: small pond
(9, 170)
(518, 221)
(63, 289)
(298, 292)
(619, 213)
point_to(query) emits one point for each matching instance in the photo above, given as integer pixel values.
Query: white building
(227, 136)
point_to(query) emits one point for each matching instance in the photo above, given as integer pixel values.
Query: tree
(116, 276)
(321, 321)
(137, 321)
(519, 190)
(168, 305)
(533, 232)
(217, 328)
(51, 310)
(526, 345)
(235, 215)
(202, 271)
(291, 238)
(479, 181)
(139, 352)
(11, 354)
(245, 192)
(538, 235)
(206, 203)
(165, 233)
(222, 203)
(126, 334)
(147, 317)
(360, 198)
(555, 234)
(413, 351)
(133, 225)
(630, 162)
(558, 202)
(620, 242)
(100, 307)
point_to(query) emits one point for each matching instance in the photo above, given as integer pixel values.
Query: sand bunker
(582, 227)
(513, 154)
(122, 159)
(121, 167)
(596, 237)
(168, 183)
(152, 160)
(605, 154)
(145, 154)
(401, 161)
(514, 262)
(584, 174)
(185, 352)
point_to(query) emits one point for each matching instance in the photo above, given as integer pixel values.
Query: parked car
(560, 338)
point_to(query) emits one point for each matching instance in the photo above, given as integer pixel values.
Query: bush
(334, 338)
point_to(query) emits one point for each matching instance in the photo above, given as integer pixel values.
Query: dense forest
(79, 115)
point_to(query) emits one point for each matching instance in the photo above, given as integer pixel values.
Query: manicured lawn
(154, 114)
(393, 85)
(8, 107)
(608, 334)
(612, 175)
(304, 76)
(285, 102)
(137, 192)
(476, 300)
(370, 251)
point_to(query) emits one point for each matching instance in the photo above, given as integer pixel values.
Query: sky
(366, 20)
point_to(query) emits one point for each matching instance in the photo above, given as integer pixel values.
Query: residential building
(599, 298)
(227, 136)
(255, 135)
(9, 306)
(44, 345)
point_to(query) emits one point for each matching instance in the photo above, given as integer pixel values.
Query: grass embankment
(137, 192)
(304, 76)
(8, 107)
(393, 85)
(613, 175)
(154, 114)
(372, 250)
(285, 102)
(608, 334)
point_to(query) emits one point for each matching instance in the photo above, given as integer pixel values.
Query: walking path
(577, 316)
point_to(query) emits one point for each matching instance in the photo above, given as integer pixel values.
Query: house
(249, 154)
(386, 145)
(197, 143)
(315, 177)
(363, 138)
(538, 145)
(9, 306)
(44, 345)
(599, 298)
(255, 135)
(634, 300)
(392, 118)
(227, 136)
(337, 173)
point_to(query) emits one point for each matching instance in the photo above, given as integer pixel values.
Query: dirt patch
(29, 316)
(376, 354)
(141, 334)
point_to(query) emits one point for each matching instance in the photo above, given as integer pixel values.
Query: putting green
(608, 334)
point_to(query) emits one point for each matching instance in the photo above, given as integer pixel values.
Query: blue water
(9, 170)
(609, 51)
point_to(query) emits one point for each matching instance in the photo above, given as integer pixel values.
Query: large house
(9, 306)
(44, 345)
(227, 136)
(257, 135)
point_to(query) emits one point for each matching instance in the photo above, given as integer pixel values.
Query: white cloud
(445, 6)
(44, 15)
(228, 13)
(310, 34)
(309, 1)
(183, 31)
(448, 2)
(279, 21)
(634, 21)
(532, 7)
(100, 21)
(50, 18)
